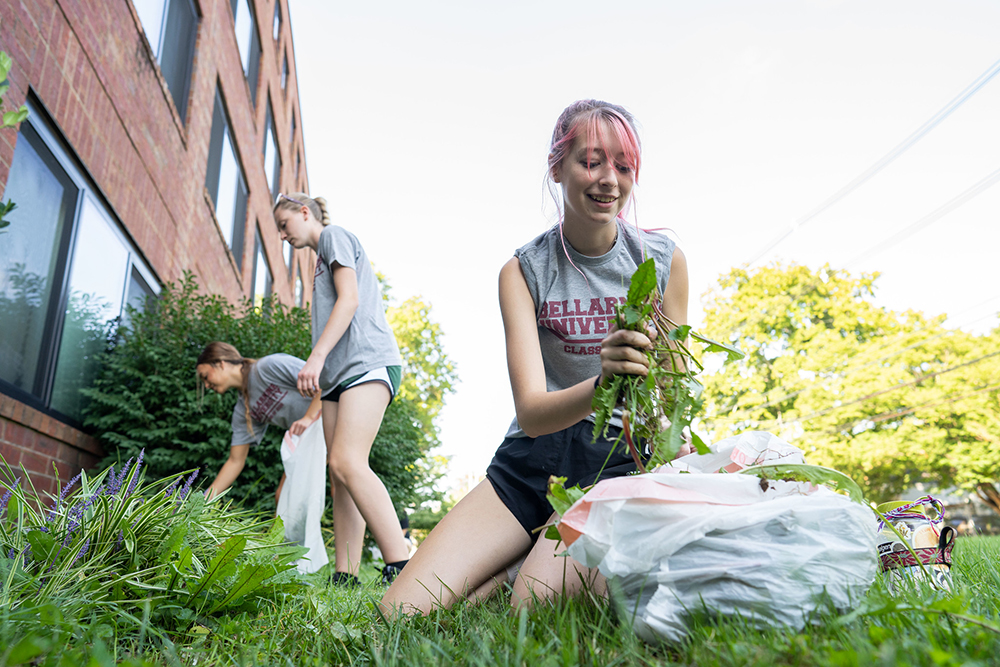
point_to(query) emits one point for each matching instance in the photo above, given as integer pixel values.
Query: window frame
(158, 53)
(51, 137)
(236, 241)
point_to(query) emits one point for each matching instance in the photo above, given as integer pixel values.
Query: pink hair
(593, 117)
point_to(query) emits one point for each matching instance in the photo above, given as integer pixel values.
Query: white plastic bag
(303, 495)
(733, 545)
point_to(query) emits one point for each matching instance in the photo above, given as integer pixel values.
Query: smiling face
(596, 179)
(294, 225)
(219, 377)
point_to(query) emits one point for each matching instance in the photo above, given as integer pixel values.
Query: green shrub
(147, 396)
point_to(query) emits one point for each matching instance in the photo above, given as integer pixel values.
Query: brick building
(159, 133)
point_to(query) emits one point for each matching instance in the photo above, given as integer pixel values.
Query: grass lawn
(321, 625)
(127, 572)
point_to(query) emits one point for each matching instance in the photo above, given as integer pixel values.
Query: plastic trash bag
(768, 551)
(303, 495)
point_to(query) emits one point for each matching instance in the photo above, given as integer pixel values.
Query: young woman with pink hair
(557, 295)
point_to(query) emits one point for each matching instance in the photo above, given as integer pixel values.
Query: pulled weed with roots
(656, 410)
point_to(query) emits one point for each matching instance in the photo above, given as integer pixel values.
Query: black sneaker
(345, 580)
(391, 571)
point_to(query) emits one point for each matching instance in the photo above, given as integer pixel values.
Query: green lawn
(83, 611)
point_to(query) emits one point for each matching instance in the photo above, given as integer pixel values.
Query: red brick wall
(89, 64)
(34, 441)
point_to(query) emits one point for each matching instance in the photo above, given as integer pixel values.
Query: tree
(8, 119)
(147, 396)
(428, 374)
(891, 398)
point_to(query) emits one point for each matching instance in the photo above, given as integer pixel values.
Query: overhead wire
(884, 161)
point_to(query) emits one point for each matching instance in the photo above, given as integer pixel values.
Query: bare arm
(230, 470)
(345, 281)
(540, 411)
(299, 426)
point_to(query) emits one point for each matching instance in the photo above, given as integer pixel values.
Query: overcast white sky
(427, 127)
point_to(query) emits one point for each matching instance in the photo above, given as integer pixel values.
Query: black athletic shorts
(521, 468)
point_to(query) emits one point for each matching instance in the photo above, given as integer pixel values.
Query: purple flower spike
(167, 492)
(121, 538)
(83, 551)
(12, 553)
(6, 497)
(187, 485)
(62, 496)
(135, 477)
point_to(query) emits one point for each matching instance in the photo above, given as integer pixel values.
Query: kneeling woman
(268, 395)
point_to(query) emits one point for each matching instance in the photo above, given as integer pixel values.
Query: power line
(977, 189)
(886, 160)
(885, 416)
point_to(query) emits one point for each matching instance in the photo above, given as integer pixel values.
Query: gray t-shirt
(368, 342)
(572, 310)
(274, 398)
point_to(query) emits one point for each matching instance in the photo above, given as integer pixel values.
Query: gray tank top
(572, 310)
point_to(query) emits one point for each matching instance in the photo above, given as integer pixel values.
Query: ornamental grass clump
(148, 558)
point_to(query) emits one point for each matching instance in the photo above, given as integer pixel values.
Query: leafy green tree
(8, 119)
(891, 398)
(147, 396)
(428, 374)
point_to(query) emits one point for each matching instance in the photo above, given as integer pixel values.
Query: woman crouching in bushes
(268, 395)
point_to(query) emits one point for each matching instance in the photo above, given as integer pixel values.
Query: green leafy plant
(657, 409)
(147, 396)
(147, 557)
(9, 119)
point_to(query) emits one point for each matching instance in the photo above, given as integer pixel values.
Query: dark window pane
(33, 250)
(277, 20)
(298, 289)
(96, 289)
(177, 52)
(272, 160)
(254, 66)
(137, 295)
(239, 221)
(215, 150)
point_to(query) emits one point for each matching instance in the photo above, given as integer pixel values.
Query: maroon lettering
(585, 323)
(600, 326)
(559, 326)
(595, 307)
(579, 310)
(609, 304)
(554, 309)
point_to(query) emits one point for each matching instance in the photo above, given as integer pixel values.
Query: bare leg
(545, 575)
(477, 538)
(348, 524)
(355, 423)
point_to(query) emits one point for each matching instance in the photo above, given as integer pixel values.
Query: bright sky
(427, 127)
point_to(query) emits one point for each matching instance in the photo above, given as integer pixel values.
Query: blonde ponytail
(293, 201)
(324, 216)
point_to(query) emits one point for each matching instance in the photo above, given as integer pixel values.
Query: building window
(289, 252)
(248, 43)
(225, 182)
(171, 27)
(291, 135)
(261, 275)
(277, 19)
(284, 72)
(67, 273)
(298, 289)
(272, 159)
